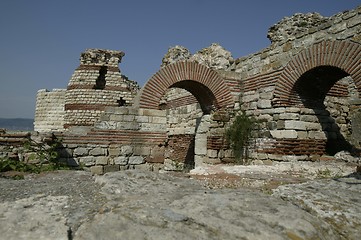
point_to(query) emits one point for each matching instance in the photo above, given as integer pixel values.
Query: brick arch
(200, 80)
(345, 55)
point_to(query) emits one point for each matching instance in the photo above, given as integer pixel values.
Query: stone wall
(123, 138)
(50, 113)
(303, 89)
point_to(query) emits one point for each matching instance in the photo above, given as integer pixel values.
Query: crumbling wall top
(289, 27)
(101, 57)
(214, 56)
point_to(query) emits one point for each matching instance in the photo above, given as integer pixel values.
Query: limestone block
(283, 133)
(203, 128)
(128, 118)
(102, 160)
(293, 110)
(97, 170)
(87, 161)
(142, 119)
(122, 160)
(263, 103)
(200, 144)
(317, 135)
(80, 151)
(209, 160)
(152, 112)
(142, 150)
(302, 134)
(250, 98)
(127, 126)
(116, 118)
(135, 160)
(289, 116)
(114, 151)
(157, 127)
(309, 118)
(297, 125)
(313, 126)
(98, 152)
(159, 120)
(126, 150)
(111, 168)
(266, 95)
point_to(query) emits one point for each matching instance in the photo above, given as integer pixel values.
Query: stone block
(135, 160)
(200, 144)
(283, 133)
(87, 161)
(97, 170)
(114, 151)
(302, 134)
(80, 151)
(250, 98)
(317, 135)
(263, 103)
(143, 167)
(142, 119)
(98, 152)
(297, 125)
(111, 168)
(122, 160)
(309, 118)
(127, 126)
(209, 160)
(293, 110)
(102, 160)
(289, 116)
(266, 95)
(159, 120)
(313, 126)
(116, 118)
(152, 112)
(126, 150)
(141, 150)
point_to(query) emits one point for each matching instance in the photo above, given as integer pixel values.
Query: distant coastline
(17, 124)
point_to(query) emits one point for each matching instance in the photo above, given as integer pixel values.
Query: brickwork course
(304, 90)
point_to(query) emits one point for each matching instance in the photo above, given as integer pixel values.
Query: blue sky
(41, 40)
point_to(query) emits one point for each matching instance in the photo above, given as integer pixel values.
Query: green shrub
(239, 135)
(43, 157)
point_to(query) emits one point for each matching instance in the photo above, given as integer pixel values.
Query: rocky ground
(282, 201)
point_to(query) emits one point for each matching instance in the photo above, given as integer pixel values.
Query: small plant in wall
(239, 135)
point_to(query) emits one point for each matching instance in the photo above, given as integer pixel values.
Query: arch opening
(325, 90)
(203, 94)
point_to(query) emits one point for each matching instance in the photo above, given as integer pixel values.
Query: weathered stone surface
(347, 157)
(214, 56)
(283, 133)
(147, 205)
(136, 160)
(122, 160)
(97, 152)
(174, 54)
(328, 200)
(80, 151)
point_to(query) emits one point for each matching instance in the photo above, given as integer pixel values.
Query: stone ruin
(304, 89)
